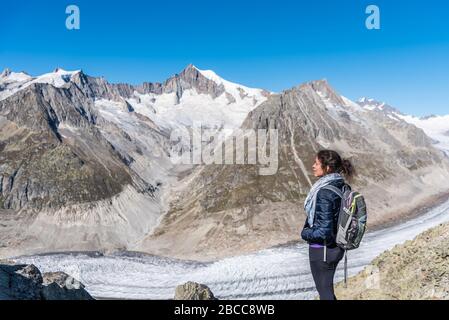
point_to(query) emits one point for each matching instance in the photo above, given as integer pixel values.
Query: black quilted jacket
(326, 218)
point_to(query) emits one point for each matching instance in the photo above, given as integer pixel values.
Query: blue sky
(269, 44)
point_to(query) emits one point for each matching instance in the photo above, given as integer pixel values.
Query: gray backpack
(352, 220)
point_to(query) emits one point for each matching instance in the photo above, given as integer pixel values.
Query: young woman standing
(320, 228)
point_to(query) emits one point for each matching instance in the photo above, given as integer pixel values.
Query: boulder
(193, 291)
(26, 282)
(61, 286)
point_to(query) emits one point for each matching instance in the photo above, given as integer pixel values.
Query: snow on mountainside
(436, 127)
(12, 82)
(377, 106)
(57, 78)
(237, 90)
(226, 109)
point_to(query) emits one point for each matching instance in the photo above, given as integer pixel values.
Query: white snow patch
(435, 127)
(392, 117)
(15, 82)
(233, 88)
(17, 77)
(57, 78)
(194, 108)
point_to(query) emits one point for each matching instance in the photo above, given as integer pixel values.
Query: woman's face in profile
(317, 168)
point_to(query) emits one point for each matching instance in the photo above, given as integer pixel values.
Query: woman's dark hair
(331, 162)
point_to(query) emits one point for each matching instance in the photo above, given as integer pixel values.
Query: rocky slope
(416, 270)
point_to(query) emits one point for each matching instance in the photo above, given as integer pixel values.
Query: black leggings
(323, 272)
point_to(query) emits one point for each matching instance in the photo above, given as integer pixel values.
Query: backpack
(352, 220)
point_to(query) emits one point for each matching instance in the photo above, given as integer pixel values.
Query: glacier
(277, 273)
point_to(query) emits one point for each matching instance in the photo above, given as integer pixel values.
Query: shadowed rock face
(39, 169)
(42, 107)
(189, 78)
(25, 282)
(99, 88)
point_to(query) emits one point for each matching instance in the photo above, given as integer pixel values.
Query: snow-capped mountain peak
(8, 76)
(196, 95)
(58, 78)
(5, 73)
(238, 91)
(12, 82)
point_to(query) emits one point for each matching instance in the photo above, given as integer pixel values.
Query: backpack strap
(346, 268)
(341, 195)
(330, 188)
(334, 189)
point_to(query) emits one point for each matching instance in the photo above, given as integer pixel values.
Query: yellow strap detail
(353, 202)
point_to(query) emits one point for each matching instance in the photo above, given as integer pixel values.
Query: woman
(320, 228)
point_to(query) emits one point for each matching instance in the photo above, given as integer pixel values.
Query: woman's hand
(304, 233)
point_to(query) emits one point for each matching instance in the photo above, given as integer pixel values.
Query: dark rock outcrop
(25, 282)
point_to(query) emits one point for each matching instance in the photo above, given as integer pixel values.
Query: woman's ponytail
(331, 162)
(347, 168)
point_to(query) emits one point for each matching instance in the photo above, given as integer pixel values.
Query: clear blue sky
(268, 44)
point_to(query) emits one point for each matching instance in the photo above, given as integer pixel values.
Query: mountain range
(86, 164)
